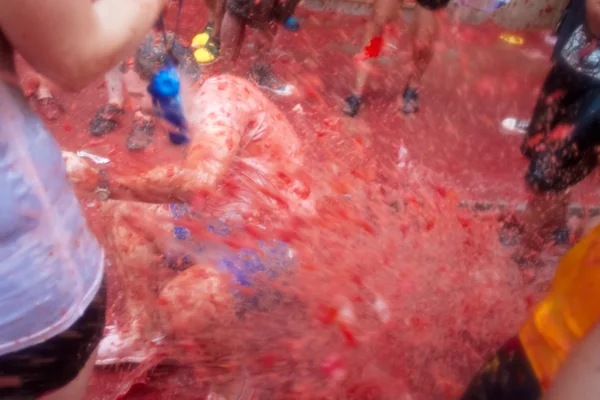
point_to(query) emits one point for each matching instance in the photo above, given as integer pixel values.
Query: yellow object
(568, 312)
(204, 56)
(512, 39)
(200, 40)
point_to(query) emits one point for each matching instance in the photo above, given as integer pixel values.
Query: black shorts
(563, 133)
(50, 365)
(258, 14)
(433, 5)
(506, 376)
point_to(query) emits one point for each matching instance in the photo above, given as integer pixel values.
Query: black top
(576, 48)
(433, 4)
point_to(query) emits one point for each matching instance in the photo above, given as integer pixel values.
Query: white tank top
(51, 266)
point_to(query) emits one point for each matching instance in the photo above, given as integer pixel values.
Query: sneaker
(203, 37)
(514, 126)
(266, 80)
(353, 103)
(410, 99)
(117, 348)
(208, 53)
(105, 120)
(141, 134)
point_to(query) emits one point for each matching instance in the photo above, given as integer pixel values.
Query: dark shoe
(410, 98)
(510, 236)
(353, 103)
(141, 134)
(105, 120)
(291, 24)
(529, 261)
(266, 80)
(562, 236)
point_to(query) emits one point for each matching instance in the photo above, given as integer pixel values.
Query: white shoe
(116, 348)
(284, 90)
(550, 39)
(515, 126)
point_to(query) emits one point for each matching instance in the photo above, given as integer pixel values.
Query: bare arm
(209, 157)
(72, 42)
(579, 377)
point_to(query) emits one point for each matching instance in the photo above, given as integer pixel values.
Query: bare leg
(231, 38)
(115, 85)
(216, 13)
(425, 33)
(142, 131)
(136, 255)
(383, 12)
(208, 42)
(264, 41)
(107, 116)
(136, 259)
(76, 389)
(45, 102)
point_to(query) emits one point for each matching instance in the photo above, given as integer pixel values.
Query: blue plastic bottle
(164, 89)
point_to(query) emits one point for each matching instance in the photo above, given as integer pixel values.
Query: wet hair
(151, 55)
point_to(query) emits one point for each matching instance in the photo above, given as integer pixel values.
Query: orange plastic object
(569, 311)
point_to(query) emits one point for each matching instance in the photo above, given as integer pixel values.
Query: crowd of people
(52, 291)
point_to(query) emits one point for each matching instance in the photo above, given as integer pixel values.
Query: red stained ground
(474, 82)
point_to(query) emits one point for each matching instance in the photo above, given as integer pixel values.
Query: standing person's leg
(235, 20)
(208, 42)
(108, 115)
(425, 33)
(261, 16)
(561, 148)
(268, 15)
(45, 102)
(261, 71)
(382, 13)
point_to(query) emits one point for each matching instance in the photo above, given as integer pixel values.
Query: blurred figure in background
(52, 301)
(562, 137)
(264, 16)
(424, 31)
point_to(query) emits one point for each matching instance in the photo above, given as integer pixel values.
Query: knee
(194, 300)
